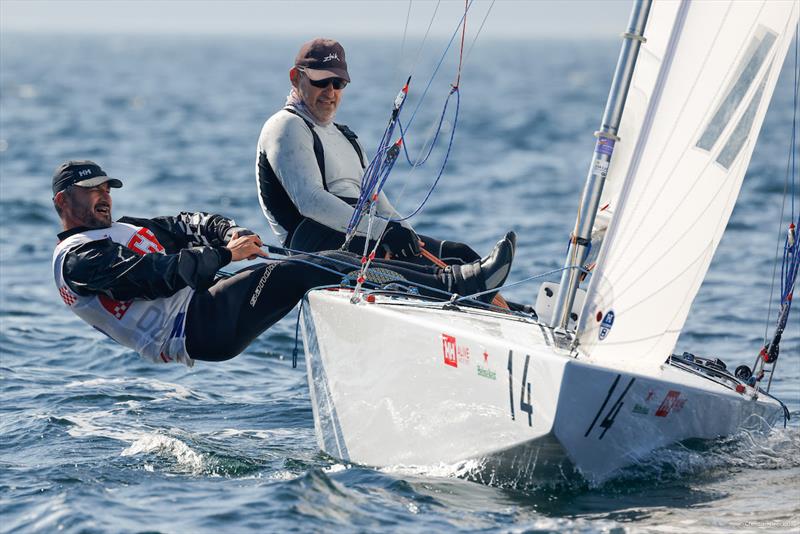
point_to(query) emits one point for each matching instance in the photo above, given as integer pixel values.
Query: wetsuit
(151, 285)
(308, 177)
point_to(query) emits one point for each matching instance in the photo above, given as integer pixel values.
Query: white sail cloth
(700, 91)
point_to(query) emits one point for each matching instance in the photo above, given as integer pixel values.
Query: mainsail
(699, 95)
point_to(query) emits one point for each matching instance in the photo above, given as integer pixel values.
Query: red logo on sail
(449, 350)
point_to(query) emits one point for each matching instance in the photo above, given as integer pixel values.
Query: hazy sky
(512, 18)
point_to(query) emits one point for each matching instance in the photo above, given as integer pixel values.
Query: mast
(580, 240)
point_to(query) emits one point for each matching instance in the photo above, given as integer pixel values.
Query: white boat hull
(443, 387)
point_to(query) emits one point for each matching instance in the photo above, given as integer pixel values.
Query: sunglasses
(338, 83)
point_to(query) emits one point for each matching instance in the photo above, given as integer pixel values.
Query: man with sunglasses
(152, 284)
(309, 169)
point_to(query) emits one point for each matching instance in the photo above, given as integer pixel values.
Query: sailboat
(588, 384)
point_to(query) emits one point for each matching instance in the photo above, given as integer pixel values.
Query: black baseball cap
(82, 173)
(322, 58)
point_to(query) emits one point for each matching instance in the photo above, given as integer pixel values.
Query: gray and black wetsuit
(308, 177)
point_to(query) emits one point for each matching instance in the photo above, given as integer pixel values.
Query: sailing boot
(512, 238)
(515, 306)
(486, 274)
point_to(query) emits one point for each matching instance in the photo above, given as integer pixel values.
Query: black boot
(512, 237)
(489, 273)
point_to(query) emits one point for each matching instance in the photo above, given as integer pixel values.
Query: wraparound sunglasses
(338, 83)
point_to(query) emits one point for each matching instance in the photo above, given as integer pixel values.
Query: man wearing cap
(309, 169)
(152, 285)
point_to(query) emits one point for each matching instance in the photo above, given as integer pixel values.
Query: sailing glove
(399, 241)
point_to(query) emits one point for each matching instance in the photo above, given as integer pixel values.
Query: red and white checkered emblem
(117, 308)
(144, 242)
(67, 295)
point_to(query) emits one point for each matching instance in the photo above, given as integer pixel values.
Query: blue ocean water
(92, 438)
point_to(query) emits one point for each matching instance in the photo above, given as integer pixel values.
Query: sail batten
(698, 99)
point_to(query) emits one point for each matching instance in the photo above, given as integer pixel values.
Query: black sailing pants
(224, 319)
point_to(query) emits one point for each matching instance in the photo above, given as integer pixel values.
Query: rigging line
(425, 38)
(438, 66)
(794, 116)
(790, 171)
(372, 174)
(435, 134)
(280, 250)
(405, 33)
(378, 286)
(474, 39)
(444, 163)
(430, 144)
(445, 294)
(283, 250)
(462, 22)
(461, 51)
(525, 280)
(289, 257)
(356, 213)
(391, 128)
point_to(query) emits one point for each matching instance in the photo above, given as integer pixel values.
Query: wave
(164, 445)
(170, 391)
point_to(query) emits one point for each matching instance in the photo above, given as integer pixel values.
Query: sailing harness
(319, 152)
(274, 195)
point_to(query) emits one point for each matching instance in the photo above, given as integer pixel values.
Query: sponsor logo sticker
(606, 324)
(484, 370)
(604, 145)
(671, 403)
(449, 350)
(463, 354)
(486, 373)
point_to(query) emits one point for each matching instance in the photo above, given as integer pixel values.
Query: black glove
(399, 241)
